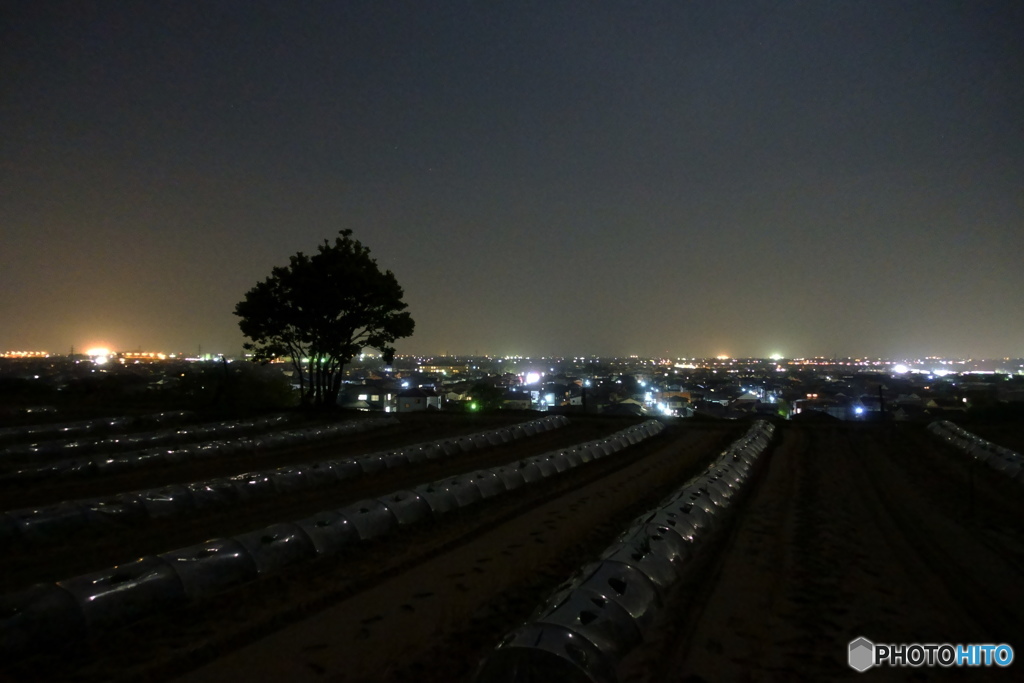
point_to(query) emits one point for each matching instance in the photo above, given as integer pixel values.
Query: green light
(473, 406)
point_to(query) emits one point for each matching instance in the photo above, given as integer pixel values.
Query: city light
(99, 355)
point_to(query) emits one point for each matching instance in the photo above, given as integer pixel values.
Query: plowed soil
(856, 530)
(848, 530)
(433, 598)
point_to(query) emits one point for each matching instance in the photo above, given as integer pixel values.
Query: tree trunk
(319, 383)
(335, 386)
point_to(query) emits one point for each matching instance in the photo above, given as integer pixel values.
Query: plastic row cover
(81, 427)
(55, 522)
(420, 452)
(326, 473)
(121, 594)
(64, 429)
(52, 523)
(121, 462)
(999, 458)
(599, 615)
(370, 463)
(49, 614)
(465, 490)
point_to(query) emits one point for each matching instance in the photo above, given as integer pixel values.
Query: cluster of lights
(24, 354)
(99, 355)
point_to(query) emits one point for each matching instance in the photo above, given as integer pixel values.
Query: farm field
(181, 638)
(847, 530)
(856, 530)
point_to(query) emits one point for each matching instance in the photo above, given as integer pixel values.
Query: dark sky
(648, 177)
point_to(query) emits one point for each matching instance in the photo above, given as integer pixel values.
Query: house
(938, 405)
(365, 397)
(517, 400)
(412, 400)
(910, 411)
(622, 408)
(552, 395)
(677, 401)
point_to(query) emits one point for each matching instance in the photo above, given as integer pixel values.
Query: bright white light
(776, 356)
(900, 369)
(99, 351)
(858, 410)
(532, 377)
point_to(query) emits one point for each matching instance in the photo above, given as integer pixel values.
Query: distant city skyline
(914, 361)
(656, 178)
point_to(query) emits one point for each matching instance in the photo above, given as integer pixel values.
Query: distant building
(943, 404)
(412, 400)
(444, 369)
(366, 397)
(623, 408)
(517, 400)
(839, 409)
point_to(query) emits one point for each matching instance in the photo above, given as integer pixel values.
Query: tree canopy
(321, 310)
(487, 396)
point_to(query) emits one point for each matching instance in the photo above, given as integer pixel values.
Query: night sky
(543, 178)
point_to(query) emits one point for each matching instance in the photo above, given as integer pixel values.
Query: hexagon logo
(862, 654)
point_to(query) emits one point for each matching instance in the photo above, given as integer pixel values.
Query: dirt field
(855, 530)
(850, 530)
(98, 548)
(584, 506)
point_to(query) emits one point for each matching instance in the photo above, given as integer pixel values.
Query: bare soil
(856, 530)
(849, 530)
(99, 547)
(522, 544)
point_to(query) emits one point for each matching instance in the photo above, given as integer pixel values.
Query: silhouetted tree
(487, 396)
(320, 311)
